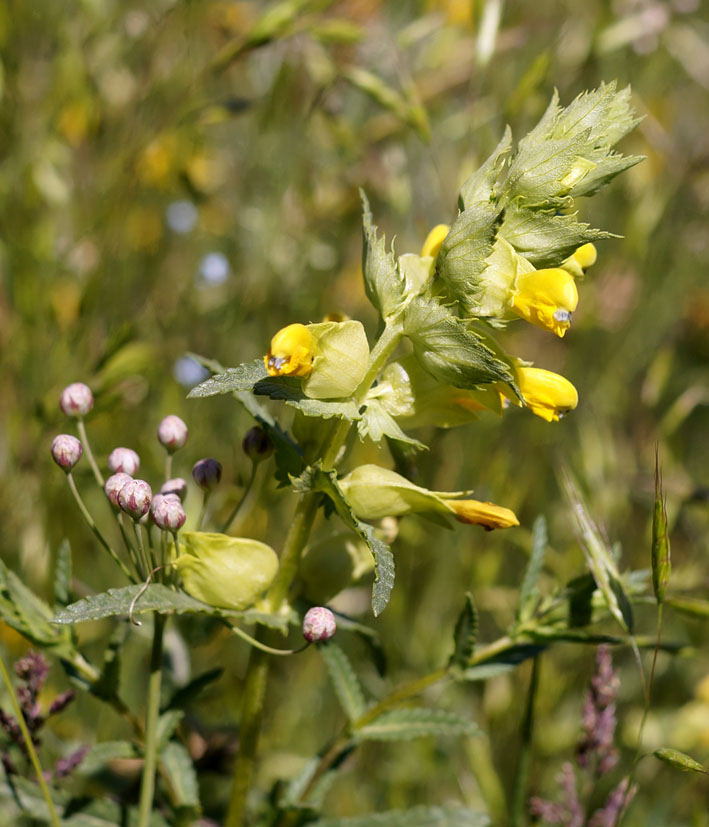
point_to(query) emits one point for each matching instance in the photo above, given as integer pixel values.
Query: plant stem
(89, 453)
(203, 510)
(94, 528)
(34, 758)
(519, 791)
(152, 714)
(168, 467)
(145, 563)
(242, 500)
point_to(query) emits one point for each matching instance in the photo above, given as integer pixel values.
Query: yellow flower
(584, 257)
(546, 298)
(488, 515)
(291, 352)
(432, 244)
(548, 394)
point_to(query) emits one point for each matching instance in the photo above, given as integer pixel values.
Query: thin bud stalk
(92, 525)
(89, 453)
(142, 554)
(168, 466)
(203, 510)
(230, 519)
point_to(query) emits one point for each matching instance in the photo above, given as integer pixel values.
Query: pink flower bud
(207, 473)
(123, 460)
(167, 512)
(113, 485)
(66, 451)
(172, 433)
(134, 498)
(76, 399)
(175, 486)
(257, 444)
(319, 624)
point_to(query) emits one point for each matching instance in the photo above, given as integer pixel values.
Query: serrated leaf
(103, 753)
(480, 187)
(241, 378)
(344, 680)
(62, 574)
(155, 598)
(289, 390)
(448, 350)
(315, 479)
(383, 283)
(376, 424)
(546, 237)
(464, 251)
(404, 724)
(678, 760)
(466, 633)
(180, 774)
(528, 591)
(186, 694)
(415, 817)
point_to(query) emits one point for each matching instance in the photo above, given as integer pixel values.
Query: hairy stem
(152, 714)
(89, 453)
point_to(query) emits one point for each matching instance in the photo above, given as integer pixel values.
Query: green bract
(341, 360)
(226, 572)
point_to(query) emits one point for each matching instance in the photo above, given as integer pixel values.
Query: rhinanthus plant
(516, 253)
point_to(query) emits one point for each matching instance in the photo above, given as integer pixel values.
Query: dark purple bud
(172, 433)
(319, 624)
(134, 498)
(176, 486)
(167, 512)
(61, 702)
(65, 765)
(76, 399)
(123, 460)
(113, 485)
(66, 451)
(257, 444)
(207, 473)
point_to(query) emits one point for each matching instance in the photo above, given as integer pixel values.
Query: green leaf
(101, 754)
(448, 350)
(155, 598)
(404, 724)
(62, 574)
(485, 671)
(167, 724)
(678, 760)
(660, 552)
(180, 774)
(241, 378)
(528, 591)
(315, 479)
(344, 680)
(546, 237)
(289, 390)
(480, 187)
(464, 251)
(376, 424)
(690, 606)
(383, 283)
(186, 694)
(415, 817)
(466, 632)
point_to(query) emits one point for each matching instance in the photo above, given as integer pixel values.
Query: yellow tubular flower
(291, 353)
(488, 515)
(546, 298)
(585, 256)
(547, 394)
(432, 244)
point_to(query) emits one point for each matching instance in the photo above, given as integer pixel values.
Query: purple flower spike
(123, 460)
(66, 451)
(319, 624)
(76, 399)
(172, 433)
(134, 498)
(207, 473)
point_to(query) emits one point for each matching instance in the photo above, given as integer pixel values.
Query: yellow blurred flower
(584, 257)
(434, 240)
(488, 515)
(547, 394)
(546, 298)
(292, 352)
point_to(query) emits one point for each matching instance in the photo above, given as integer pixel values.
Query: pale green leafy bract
(383, 283)
(404, 724)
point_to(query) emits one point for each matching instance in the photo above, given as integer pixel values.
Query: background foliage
(183, 177)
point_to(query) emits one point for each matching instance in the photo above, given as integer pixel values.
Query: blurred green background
(182, 177)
